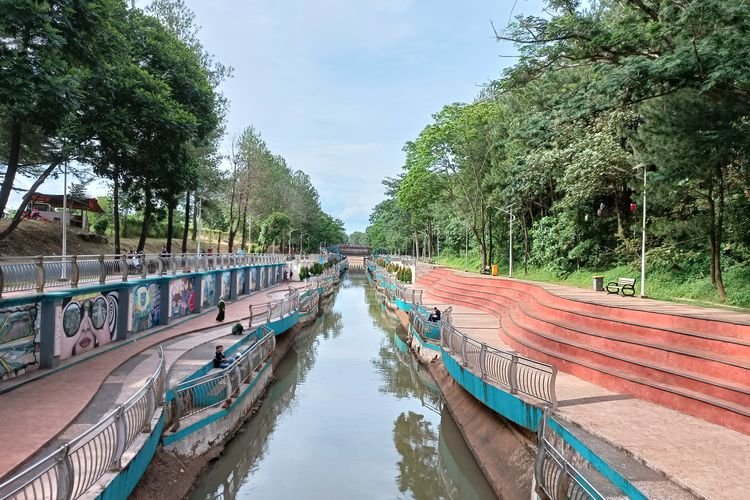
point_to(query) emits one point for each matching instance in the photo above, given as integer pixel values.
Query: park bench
(624, 285)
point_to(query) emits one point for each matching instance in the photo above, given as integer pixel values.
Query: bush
(316, 269)
(101, 226)
(303, 273)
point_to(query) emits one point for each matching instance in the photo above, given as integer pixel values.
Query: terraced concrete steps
(698, 372)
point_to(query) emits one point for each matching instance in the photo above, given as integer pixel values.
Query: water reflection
(351, 415)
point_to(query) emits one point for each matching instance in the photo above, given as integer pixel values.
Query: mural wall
(182, 297)
(145, 307)
(209, 289)
(225, 284)
(86, 322)
(19, 339)
(241, 283)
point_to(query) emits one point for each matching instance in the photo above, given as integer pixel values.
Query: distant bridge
(355, 250)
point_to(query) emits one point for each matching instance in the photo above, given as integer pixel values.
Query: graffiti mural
(225, 284)
(86, 322)
(182, 297)
(209, 289)
(146, 307)
(19, 338)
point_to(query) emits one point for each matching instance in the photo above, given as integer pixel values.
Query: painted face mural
(225, 284)
(88, 321)
(19, 338)
(146, 306)
(209, 289)
(183, 297)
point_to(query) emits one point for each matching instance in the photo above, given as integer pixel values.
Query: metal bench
(624, 285)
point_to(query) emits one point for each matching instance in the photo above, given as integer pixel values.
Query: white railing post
(513, 373)
(65, 474)
(483, 361)
(120, 439)
(463, 350)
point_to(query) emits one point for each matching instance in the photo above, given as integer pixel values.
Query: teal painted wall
(126, 480)
(509, 406)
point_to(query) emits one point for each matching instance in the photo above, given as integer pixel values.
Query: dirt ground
(45, 238)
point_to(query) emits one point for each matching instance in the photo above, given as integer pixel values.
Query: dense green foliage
(602, 94)
(131, 96)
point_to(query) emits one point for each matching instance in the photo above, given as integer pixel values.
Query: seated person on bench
(220, 360)
(434, 315)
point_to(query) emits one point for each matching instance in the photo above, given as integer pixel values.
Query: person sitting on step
(220, 359)
(434, 315)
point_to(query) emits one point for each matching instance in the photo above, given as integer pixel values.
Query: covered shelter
(47, 204)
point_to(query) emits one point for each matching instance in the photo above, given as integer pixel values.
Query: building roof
(56, 200)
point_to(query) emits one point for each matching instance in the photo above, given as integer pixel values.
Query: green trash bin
(599, 283)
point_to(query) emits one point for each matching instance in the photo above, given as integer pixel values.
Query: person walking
(222, 307)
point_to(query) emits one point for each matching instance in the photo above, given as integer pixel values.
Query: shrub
(101, 226)
(304, 272)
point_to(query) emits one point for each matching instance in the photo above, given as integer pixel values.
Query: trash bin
(495, 270)
(599, 283)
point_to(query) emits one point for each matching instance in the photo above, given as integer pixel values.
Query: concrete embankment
(172, 476)
(504, 452)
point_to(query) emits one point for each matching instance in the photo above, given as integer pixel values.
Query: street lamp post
(509, 210)
(64, 273)
(643, 233)
(466, 255)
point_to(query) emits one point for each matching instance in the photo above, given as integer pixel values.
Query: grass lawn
(659, 285)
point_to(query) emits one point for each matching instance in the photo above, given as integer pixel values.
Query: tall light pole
(198, 222)
(509, 210)
(64, 273)
(643, 231)
(466, 255)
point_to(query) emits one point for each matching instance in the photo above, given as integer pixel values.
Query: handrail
(72, 469)
(211, 390)
(555, 476)
(428, 330)
(261, 314)
(504, 368)
(42, 272)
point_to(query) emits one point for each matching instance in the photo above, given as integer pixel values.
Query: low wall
(214, 427)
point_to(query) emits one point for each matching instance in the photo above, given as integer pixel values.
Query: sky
(338, 86)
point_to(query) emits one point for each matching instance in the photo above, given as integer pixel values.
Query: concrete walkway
(709, 460)
(36, 413)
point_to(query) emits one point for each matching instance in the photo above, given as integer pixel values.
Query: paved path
(36, 413)
(709, 460)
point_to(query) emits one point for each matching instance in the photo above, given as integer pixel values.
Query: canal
(350, 415)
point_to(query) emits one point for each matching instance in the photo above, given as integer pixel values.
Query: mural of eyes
(74, 313)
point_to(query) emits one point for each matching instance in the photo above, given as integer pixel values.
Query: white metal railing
(428, 330)
(213, 389)
(506, 369)
(309, 301)
(261, 314)
(75, 467)
(556, 478)
(42, 272)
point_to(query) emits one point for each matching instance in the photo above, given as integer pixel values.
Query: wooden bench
(624, 285)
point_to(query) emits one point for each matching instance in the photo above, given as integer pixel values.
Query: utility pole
(64, 273)
(199, 208)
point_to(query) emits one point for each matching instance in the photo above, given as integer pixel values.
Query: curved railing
(75, 467)
(211, 390)
(507, 369)
(556, 477)
(419, 320)
(42, 272)
(261, 314)
(309, 301)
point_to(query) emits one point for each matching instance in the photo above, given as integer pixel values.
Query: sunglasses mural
(19, 338)
(182, 297)
(209, 289)
(88, 321)
(146, 307)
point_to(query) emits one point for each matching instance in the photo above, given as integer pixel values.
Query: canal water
(351, 415)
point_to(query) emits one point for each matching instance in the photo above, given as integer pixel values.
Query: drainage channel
(351, 415)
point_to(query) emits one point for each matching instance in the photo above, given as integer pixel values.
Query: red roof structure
(56, 200)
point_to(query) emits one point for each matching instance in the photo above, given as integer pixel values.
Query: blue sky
(338, 86)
